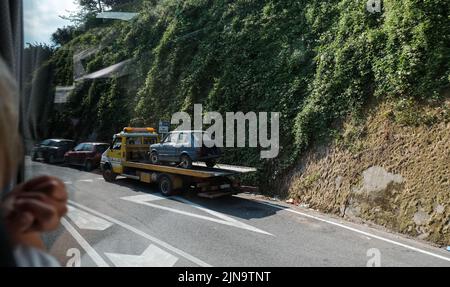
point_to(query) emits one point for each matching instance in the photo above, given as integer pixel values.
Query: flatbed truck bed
(198, 169)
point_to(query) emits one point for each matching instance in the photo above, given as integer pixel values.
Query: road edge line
(359, 231)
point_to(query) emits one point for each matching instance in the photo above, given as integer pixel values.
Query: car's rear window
(88, 147)
(46, 142)
(198, 137)
(54, 144)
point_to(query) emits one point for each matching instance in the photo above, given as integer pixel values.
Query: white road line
(232, 222)
(87, 221)
(214, 213)
(145, 235)
(68, 182)
(86, 180)
(144, 198)
(359, 231)
(84, 244)
(153, 256)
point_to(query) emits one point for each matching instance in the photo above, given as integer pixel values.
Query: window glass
(183, 138)
(117, 145)
(79, 147)
(54, 144)
(207, 137)
(201, 137)
(134, 140)
(171, 138)
(149, 141)
(88, 147)
(276, 80)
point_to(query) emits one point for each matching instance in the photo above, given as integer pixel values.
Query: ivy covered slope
(316, 62)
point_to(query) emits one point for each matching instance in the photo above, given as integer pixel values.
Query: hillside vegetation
(384, 171)
(318, 63)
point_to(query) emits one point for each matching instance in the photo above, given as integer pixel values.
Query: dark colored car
(184, 148)
(87, 155)
(51, 150)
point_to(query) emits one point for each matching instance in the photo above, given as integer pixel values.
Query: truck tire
(108, 174)
(210, 163)
(185, 161)
(166, 185)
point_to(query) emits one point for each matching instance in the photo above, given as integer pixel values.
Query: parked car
(184, 148)
(87, 155)
(51, 150)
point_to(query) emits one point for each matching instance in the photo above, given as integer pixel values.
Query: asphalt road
(128, 223)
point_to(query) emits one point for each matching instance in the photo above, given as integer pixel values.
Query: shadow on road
(96, 171)
(230, 205)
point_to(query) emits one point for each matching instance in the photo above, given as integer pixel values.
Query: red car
(86, 154)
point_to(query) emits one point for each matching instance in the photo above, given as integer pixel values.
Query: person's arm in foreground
(32, 208)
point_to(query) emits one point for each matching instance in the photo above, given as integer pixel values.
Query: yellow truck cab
(128, 156)
(132, 144)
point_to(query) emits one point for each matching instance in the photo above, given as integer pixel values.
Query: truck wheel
(210, 163)
(166, 185)
(154, 158)
(88, 165)
(108, 174)
(186, 161)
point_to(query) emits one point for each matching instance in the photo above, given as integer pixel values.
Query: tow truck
(128, 156)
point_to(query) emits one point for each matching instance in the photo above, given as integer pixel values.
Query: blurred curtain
(11, 34)
(11, 43)
(11, 47)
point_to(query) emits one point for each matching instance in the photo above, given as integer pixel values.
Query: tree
(86, 15)
(64, 35)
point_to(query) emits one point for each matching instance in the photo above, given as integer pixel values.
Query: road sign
(164, 127)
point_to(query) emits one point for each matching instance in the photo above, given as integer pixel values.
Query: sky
(41, 18)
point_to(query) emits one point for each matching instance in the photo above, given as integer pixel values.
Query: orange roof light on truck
(139, 130)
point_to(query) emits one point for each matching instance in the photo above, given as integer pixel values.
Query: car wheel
(166, 185)
(109, 175)
(51, 159)
(154, 158)
(185, 161)
(34, 157)
(210, 163)
(88, 165)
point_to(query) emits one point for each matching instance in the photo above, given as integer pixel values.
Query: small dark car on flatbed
(184, 148)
